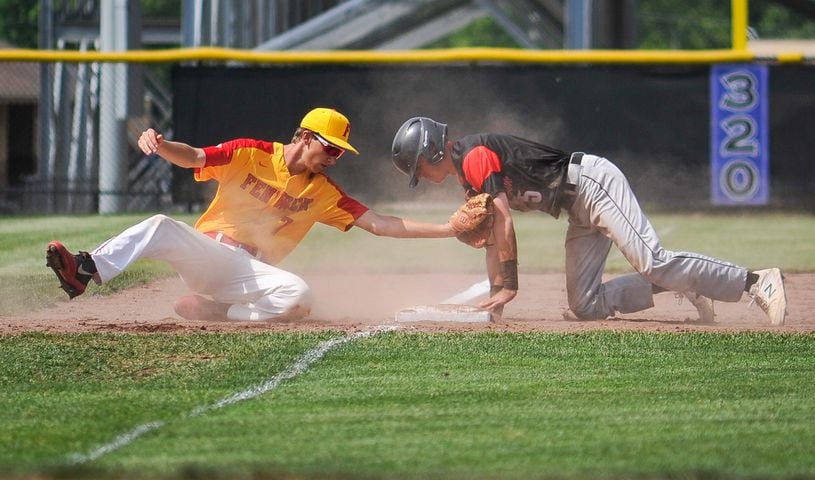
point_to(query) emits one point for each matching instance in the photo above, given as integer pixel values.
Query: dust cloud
(435, 93)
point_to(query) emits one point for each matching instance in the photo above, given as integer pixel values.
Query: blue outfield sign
(739, 154)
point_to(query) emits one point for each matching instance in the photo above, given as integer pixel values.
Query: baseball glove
(473, 221)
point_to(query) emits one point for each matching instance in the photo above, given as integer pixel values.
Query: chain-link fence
(68, 134)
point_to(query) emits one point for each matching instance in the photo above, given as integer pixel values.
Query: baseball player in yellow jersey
(269, 196)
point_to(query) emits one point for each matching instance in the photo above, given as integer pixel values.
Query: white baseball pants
(605, 211)
(255, 290)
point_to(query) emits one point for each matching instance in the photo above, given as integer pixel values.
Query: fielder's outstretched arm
(389, 226)
(177, 153)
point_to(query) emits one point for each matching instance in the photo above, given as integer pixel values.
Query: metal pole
(45, 166)
(190, 23)
(578, 35)
(112, 106)
(77, 178)
(740, 23)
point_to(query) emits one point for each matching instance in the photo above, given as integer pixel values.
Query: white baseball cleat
(703, 305)
(769, 293)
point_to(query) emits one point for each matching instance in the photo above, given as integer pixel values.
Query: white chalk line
(298, 367)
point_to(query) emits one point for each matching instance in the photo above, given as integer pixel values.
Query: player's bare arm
(494, 273)
(389, 226)
(178, 153)
(502, 255)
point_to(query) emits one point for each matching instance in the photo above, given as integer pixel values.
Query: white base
(475, 293)
(444, 313)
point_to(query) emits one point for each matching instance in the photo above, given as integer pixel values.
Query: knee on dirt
(584, 310)
(196, 307)
(298, 299)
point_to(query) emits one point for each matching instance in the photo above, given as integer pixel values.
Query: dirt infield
(354, 302)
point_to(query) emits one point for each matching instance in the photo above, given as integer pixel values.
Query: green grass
(399, 405)
(754, 240)
(25, 281)
(408, 405)
(66, 393)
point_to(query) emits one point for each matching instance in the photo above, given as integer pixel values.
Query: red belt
(220, 237)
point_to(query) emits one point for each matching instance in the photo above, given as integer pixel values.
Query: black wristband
(510, 271)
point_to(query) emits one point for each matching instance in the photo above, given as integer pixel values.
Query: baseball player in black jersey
(525, 175)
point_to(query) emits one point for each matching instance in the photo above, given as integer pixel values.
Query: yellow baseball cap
(331, 125)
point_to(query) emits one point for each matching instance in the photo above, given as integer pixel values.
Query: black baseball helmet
(418, 137)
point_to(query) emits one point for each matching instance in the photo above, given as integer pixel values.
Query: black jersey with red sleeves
(530, 173)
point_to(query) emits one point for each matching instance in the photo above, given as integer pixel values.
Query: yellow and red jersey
(259, 202)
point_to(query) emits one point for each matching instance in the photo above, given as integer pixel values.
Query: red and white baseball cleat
(73, 271)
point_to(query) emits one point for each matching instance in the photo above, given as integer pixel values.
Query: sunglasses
(330, 150)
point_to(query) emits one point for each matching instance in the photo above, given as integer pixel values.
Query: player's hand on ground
(150, 140)
(498, 300)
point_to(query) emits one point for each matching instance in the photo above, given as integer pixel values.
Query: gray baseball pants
(605, 211)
